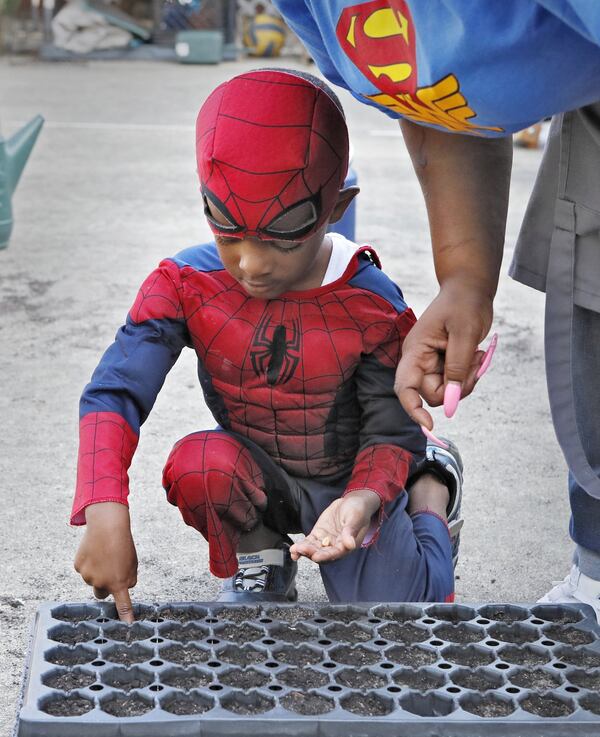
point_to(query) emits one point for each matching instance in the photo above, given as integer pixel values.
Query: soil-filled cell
(398, 612)
(128, 705)
(557, 613)
(342, 613)
(67, 680)
(362, 678)
(518, 634)
(75, 612)
(297, 656)
(126, 679)
(63, 655)
(581, 657)
(184, 655)
(183, 633)
(246, 655)
(67, 706)
(523, 655)
(289, 614)
(546, 705)
(239, 633)
(418, 680)
(307, 703)
(536, 679)
(303, 678)
(184, 704)
(348, 633)
(591, 702)
(471, 655)
(367, 705)
(128, 633)
(185, 678)
(414, 657)
(68, 635)
(585, 679)
(294, 634)
(406, 633)
(477, 680)
(247, 703)
(354, 655)
(236, 614)
(244, 679)
(459, 633)
(507, 613)
(427, 705)
(568, 635)
(127, 654)
(451, 612)
(182, 613)
(488, 706)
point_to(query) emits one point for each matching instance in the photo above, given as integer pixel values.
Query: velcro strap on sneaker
(269, 557)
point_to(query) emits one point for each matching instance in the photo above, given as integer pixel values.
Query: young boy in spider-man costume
(298, 333)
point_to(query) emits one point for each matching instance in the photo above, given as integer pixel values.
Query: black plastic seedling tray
(313, 670)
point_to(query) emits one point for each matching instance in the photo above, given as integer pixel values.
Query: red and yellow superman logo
(379, 39)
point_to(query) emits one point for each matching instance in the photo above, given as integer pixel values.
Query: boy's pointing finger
(124, 605)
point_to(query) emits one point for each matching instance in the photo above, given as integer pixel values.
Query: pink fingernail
(430, 436)
(487, 357)
(451, 398)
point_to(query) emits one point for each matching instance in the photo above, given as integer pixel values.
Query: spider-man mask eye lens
(297, 219)
(217, 219)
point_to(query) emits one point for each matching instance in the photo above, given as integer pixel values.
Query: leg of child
(411, 560)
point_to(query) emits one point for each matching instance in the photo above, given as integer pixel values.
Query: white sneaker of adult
(576, 587)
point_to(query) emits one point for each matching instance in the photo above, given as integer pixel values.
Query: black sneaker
(447, 465)
(267, 575)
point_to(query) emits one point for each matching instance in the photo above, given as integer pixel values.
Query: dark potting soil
(535, 679)
(545, 706)
(185, 614)
(303, 678)
(591, 703)
(78, 656)
(355, 656)
(459, 633)
(245, 679)
(124, 655)
(590, 680)
(70, 706)
(570, 635)
(397, 615)
(184, 655)
(241, 655)
(124, 633)
(252, 703)
(184, 633)
(126, 706)
(368, 705)
(237, 633)
(489, 707)
(121, 682)
(584, 658)
(417, 679)
(182, 705)
(348, 633)
(307, 703)
(470, 656)
(293, 634)
(68, 680)
(237, 614)
(75, 616)
(523, 656)
(516, 634)
(412, 656)
(186, 679)
(73, 636)
(504, 615)
(289, 614)
(475, 681)
(403, 633)
(297, 655)
(360, 679)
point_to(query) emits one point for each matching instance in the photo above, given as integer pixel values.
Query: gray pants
(558, 251)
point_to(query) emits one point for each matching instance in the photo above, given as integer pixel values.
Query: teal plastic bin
(199, 47)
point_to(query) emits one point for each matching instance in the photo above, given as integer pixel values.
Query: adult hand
(106, 558)
(340, 529)
(443, 348)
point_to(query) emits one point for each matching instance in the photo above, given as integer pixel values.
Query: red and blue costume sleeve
(123, 390)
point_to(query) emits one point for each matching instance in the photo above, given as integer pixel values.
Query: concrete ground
(109, 190)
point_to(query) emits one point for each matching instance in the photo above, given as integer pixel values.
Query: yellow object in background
(264, 35)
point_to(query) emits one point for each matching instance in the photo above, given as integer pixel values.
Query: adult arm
(465, 182)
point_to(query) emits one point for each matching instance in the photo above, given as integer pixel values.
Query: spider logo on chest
(275, 350)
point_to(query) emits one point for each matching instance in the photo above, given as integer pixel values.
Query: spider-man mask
(272, 152)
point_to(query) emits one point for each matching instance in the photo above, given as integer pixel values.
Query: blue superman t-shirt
(469, 66)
